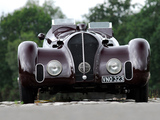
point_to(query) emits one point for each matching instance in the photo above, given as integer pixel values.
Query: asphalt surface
(81, 110)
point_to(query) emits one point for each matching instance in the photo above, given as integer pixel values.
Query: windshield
(63, 22)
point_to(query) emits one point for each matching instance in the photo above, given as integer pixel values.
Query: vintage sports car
(81, 58)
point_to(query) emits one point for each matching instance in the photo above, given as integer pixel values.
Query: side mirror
(41, 36)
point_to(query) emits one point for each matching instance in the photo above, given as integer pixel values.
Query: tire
(27, 95)
(141, 94)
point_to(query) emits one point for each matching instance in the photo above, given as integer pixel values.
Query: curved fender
(62, 55)
(105, 54)
(139, 53)
(27, 53)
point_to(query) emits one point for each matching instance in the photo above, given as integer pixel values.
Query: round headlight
(114, 66)
(54, 67)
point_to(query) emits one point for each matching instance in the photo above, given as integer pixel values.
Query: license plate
(112, 79)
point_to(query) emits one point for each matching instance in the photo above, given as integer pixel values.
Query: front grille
(90, 48)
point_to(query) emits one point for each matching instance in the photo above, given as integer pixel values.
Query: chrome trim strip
(83, 53)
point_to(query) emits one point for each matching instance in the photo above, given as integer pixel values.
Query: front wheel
(27, 95)
(141, 94)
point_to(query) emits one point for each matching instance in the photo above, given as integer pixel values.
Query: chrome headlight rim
(54, 65)
(112, 64)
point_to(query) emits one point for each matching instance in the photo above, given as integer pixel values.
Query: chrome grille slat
(83, 54)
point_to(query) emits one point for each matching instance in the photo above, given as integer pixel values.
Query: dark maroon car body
(83, 54)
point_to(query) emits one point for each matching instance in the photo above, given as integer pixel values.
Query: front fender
(27, 53)
(139, 54)
(62, 55)
(105, 54)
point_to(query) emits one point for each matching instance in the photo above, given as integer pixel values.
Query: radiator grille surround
(90, 47)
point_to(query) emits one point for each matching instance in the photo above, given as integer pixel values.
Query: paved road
(82, 110)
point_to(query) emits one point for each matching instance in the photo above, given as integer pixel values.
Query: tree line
(25, 23)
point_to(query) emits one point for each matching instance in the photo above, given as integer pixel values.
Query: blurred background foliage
(25, 24)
